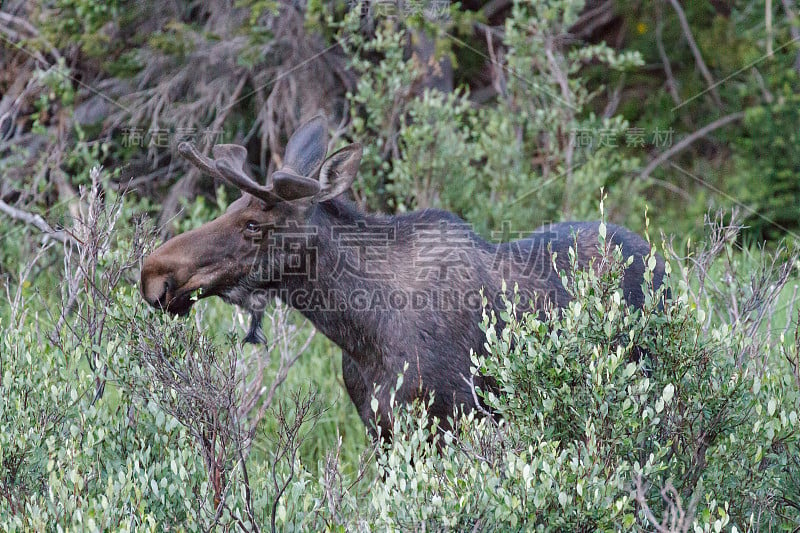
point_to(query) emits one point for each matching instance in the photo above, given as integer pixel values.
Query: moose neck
(376, 280)
(337, 272)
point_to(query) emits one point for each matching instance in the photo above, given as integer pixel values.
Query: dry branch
(494, 7)
(793, 29)
(688, 140)
(677, 518)
(698, 57)
(35, 220)
(593, 18)
(27, 27)
(671, 84)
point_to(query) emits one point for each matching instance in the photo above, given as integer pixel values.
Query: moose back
(392, 292)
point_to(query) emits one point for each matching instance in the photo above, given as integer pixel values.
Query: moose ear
(338, 172)
(306, 149)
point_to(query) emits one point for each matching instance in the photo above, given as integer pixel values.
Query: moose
(398, 294)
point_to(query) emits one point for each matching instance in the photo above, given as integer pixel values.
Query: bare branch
(793, 29)
(688, 140)
(698, 57)
(614, 98)
(8, 18)
(478, 405)
(672, 85)
(34, 220)
(676, 518)
(494, 7)
(592, 18)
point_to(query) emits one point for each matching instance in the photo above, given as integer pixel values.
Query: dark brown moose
(391, 291)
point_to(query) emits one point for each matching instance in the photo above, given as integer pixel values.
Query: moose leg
(357, 387)
(360, 387)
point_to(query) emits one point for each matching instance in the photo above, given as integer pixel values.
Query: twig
(793, 29)
(593, 18)
(763, 86)
(698, 58)
(494, 7)
(790, 310)
(478, 405)
(34, 220)
(16, 301)
(28, 27)
(676, 519)
(670, 187)
(283, 372)
(672, 85)
(768, 24)
(498, 80)
(688, 140)
(614, 98)
(248, 497)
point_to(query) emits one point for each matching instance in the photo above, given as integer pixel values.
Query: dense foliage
(681, 416)
(606, 417)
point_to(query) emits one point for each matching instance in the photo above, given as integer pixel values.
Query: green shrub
(517, 162)
(612, 419)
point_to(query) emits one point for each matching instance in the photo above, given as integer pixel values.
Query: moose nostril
(157, 289)
(160, 296)
(161, 301)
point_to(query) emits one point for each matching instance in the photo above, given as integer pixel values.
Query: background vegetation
(511, 114)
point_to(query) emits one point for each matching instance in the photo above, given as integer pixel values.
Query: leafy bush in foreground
(676, 418)
(613, 419)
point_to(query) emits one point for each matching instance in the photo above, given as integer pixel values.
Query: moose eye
(252, 226)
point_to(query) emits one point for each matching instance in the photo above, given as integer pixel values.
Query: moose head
(222, 257)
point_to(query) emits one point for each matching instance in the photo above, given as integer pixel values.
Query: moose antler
(305, 153)
(228, 165)
(285, 186)
(190, 153)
